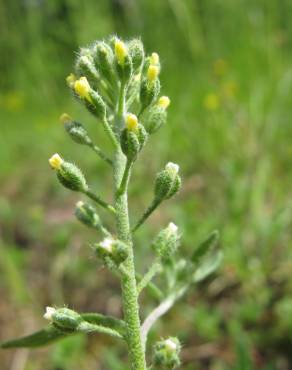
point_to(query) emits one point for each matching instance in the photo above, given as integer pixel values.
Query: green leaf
(38, 339)
(208, 266)
(204, 247)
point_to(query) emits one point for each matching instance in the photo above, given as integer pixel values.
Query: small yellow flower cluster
(56, 161)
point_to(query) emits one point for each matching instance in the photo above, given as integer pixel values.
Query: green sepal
(114, 255)
(71, 177)
(125, 71)
(166, 243)
(165, 357)
(205, 246)
(66, 319)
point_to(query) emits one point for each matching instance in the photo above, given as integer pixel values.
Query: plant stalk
(128, 281)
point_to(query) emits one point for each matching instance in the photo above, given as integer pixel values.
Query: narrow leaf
(208, 266)
(203, 248)
(38, 339)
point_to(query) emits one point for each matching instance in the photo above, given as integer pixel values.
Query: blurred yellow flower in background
(212, 101)
(229, 89)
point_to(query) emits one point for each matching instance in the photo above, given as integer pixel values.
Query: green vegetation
(227, 71)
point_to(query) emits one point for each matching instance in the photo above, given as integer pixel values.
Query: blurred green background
(227, 69)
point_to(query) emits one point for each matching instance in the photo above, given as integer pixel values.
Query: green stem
(99, 201)
(155, 203)
(154, 269)
(152, 288)
(128, 281)
(126, 177)
(110, 132)
(86, 327)
(100, 153)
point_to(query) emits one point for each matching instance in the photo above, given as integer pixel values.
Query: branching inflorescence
(120, 86)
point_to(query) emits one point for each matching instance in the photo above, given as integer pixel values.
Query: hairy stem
(155, 203)
(101, 154)
(128, 281)
(154, 269)
(126, 177)
(99, 201)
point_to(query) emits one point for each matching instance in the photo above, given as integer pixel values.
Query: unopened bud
(113, 249)
(104, 59)
(76, 130)
(168, 182)
(149, 91)
(63, 318)
(133, 137)
(155, 118)
(166, 354)
(154, 59)
(68, 174)
(136, 52)
(86, 214)
(120, 51)
(166, 242)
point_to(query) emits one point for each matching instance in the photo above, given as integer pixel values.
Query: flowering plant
(119, 85)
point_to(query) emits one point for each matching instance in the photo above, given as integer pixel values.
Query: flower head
(50, 311)
(120, 51)
(163, 102)
(131, 122)
(172, 227)
(170, 345)
(152, 72)
(172, 168)
(107, 244)
(82, 88)
(56, 161)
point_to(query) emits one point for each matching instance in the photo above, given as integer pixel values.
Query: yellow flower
(56, 161)
(211, 102)
(82, 88)
(65, 118)
(163, 102)
(131, 122)
(120, 51)
(154, 59)
(71, 80)
(152, 73)
(220, 67)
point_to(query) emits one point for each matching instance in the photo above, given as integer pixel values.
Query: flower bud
(155, 119)
(76, 130)
(154, 59)
(166, 242)
(168, 182)
(68, 174)
(123, 61)
(136, 52)
(133, 137)
(86, 214)
(85, 67)
(113, 249)
(97, 106)
(149, 91)
(166, 354)
(104, 59)
(63, 318)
